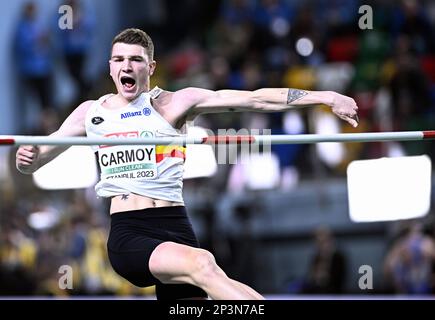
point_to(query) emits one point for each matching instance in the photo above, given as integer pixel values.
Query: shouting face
(130, 69)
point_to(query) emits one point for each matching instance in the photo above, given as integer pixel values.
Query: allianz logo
(145, 112)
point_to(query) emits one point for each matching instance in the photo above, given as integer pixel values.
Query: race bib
(133, 162)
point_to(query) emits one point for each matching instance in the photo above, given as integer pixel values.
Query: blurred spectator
(17, 262)
(409, 86)
(408, 264)
(76, 44)
(327, 270)
(33, 56)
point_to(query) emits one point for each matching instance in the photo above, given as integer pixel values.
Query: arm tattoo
(124, 197)
(295, 94)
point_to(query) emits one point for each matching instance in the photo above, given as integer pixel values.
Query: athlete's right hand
(26, 159)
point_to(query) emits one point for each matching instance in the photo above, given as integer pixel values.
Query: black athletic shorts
(133, 237)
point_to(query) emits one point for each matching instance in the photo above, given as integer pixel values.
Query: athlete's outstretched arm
(31, 158)
(271, 100)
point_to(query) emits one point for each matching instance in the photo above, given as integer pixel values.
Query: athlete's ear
(152, 67)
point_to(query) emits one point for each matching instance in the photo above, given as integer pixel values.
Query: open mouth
(127, 82)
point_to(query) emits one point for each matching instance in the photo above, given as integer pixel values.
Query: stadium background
(266, 238)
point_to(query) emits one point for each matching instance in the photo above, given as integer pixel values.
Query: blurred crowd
(240, 44)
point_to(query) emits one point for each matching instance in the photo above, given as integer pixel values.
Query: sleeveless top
(148, 170)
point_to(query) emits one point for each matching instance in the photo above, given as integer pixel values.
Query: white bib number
(132, 162)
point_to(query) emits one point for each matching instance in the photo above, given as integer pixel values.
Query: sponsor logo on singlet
(128, 134)
(146, 134)
(129, 114)
(145, 111)
(97, 120)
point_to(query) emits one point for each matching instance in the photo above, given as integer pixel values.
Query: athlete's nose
(126, 65)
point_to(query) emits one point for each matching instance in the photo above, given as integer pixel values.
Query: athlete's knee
(205, 268)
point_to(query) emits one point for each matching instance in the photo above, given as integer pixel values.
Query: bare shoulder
(187, 97)
(78, 116)
(81, 110)
(176, 106)
(84, 106)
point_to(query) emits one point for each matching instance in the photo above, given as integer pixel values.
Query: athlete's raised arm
(269, 100)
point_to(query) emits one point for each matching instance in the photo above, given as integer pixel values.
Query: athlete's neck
(124, 101)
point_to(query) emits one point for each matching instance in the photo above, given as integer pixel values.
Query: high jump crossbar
(17, 140)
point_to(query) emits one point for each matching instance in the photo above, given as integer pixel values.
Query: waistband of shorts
(149, 213)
